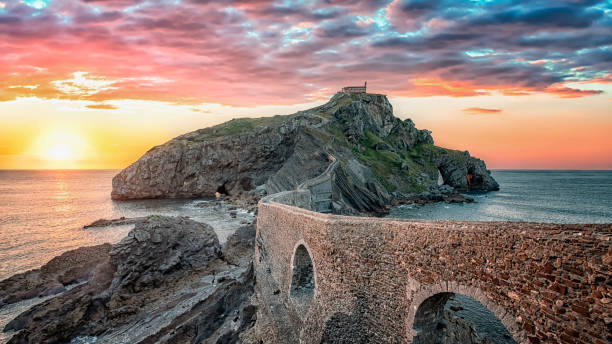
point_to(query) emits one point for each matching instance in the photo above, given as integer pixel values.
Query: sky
(96, 83)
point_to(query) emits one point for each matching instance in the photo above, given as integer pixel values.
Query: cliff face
(230, 158)
(377, 158)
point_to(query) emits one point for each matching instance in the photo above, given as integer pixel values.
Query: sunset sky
(95, 84)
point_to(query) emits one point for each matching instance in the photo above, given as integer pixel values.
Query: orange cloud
(436, 86)
(567, 92)
(515, 93)
(428, 87)
(479, 110)
(101, 107)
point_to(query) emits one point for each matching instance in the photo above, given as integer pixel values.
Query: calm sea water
(535, 196)
(42, 214)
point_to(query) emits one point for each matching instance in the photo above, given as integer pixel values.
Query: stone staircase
(322, 196)
(321, 188)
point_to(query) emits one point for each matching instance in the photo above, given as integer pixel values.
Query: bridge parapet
(545, 282)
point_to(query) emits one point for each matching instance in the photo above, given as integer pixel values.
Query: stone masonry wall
(547, 283)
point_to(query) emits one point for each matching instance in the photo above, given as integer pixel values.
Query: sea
(530, 196)
(42, 214)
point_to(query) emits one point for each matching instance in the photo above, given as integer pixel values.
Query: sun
(60, 152)
(60, 148)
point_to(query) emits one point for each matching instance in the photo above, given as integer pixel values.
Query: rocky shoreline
(168, 281)
(53, 278)
(434, 194)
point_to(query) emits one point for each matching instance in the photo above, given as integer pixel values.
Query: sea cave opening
(474, 180)
(222, 189)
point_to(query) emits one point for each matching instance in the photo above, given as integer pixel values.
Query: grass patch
(234, 127)
(387, 165)
(340, 101)
(370, 139)
(338, 134)
(430, 150)
(239, 125)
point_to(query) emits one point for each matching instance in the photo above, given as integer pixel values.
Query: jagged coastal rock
(52, 278)
(168, 281)
(376, 156)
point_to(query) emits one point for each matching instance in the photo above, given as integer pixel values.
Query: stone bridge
(323, 278)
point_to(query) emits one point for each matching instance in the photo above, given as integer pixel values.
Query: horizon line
(491, 169)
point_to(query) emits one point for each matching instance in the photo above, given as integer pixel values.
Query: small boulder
(381, 146)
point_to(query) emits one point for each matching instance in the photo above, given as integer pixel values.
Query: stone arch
(427, 304)
(303, 274)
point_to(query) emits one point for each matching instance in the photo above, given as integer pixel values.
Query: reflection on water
(42, 214)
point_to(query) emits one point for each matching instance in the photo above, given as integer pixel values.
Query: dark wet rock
(115, 222)
(433, 194)
(166, 281)
(238, 248)
(160, 248)
(52, 278)
(455, 308)
(381, 146)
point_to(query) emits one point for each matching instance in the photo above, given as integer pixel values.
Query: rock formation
(168, 281)
(377, 155)
(52, 278)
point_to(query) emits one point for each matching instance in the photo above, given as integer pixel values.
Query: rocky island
(374, 159)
